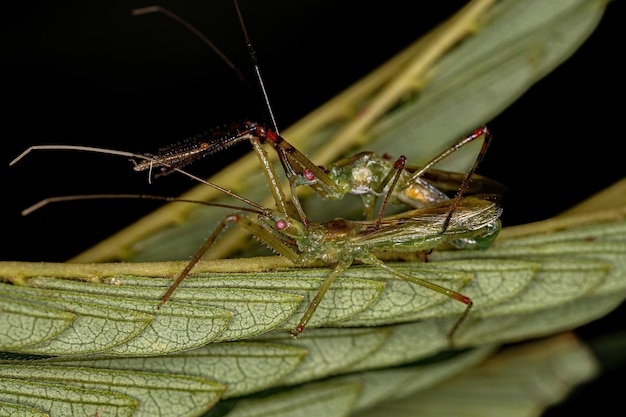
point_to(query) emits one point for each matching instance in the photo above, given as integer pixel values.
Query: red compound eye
(400, 162)
(280, 225)
(308, 175)
(271, 135)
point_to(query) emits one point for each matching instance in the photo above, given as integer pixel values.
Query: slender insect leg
(398, 166)
(317, 299)
(197, 256)
(372, 260)
(457, 324)
(483, 131)
(253, 228)
(300, 170)
(292, 175)
(483, 149)
(271, 177)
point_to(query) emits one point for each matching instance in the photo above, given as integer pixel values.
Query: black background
(88, 73)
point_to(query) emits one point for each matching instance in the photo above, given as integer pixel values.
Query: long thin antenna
(59, 199)
(257, 70)
(192, 29)
(134, 156)
(214, 48)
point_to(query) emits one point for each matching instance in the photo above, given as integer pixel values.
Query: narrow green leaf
(515, 45)
(154, 394)
(344, 299)
(539, 323)
(176, 327)
(556, 282)
(402, 300)
(489, 282)
(520, 381)
(15, 410)
(26, 324)
(243, 367)
(580, 280)
(259, 301)
(253, 311)
(330, 351)
(610, 252)
(63, 400)
(172, 328)
(95, 328)
(407, 343)
(607, 229)
(394, 383)
(320, 399)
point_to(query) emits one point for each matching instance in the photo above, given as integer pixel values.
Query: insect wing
(421, 229)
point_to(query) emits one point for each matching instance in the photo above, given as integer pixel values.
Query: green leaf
(176, 327)
(26, 324)
(243, 367)
(394, 383)
(349, 297)
(519, 381)
(515, 45)
(556, 282)
(95, 328)
(580, 280)
(209, 308)
(402, 301)
(144, 393)
(15, 410)
(246, 312)
(331, 351)
(541, 322)
(62, 400)
(320, 399)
